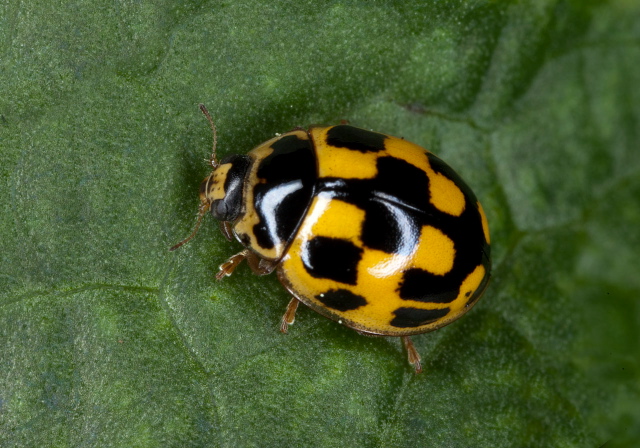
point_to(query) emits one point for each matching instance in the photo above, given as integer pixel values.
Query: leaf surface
(107, 339)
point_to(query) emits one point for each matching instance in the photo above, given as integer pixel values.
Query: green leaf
(107, 339)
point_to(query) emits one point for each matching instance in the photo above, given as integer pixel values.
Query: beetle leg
(412, 353)
(225, 228)
(260, 266)
(227, 268)
(289, 315)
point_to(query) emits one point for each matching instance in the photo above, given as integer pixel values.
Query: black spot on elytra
(416, 317)
(345, 136)
(332, 259)
(341, 300)
(389, 228)
(423, 286)
(399, 181)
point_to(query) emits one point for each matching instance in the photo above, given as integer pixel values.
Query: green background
(108, 339)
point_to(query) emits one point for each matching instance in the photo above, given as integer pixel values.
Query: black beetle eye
(219, 210)
(231, 183)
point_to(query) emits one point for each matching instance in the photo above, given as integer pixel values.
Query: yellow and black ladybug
(369, 230)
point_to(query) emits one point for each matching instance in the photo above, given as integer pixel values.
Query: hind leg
(412, 354)
(289, 315)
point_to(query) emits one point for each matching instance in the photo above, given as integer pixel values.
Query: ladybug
(369, 230)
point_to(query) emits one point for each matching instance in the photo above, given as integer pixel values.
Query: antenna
(204, 207)
(205, 204)
(213, 161)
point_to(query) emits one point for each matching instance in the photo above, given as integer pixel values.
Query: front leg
(227, 268)
(258, 265)
(226, 229)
